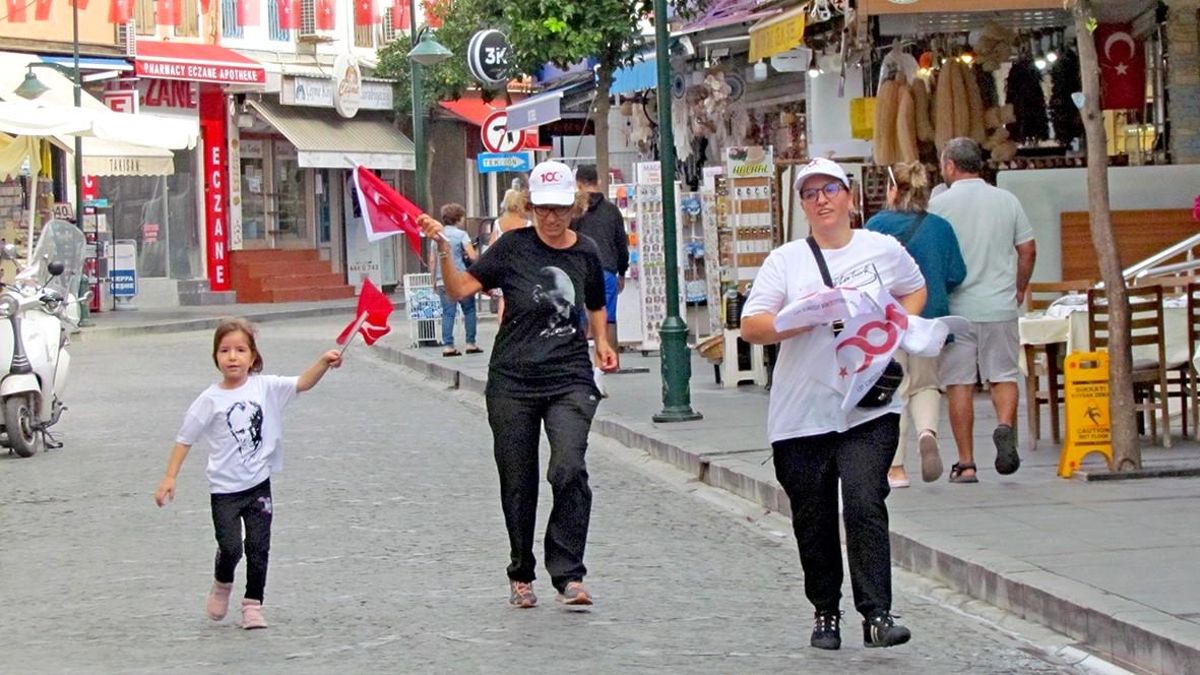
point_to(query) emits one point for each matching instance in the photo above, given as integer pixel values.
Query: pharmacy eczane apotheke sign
(221, 73)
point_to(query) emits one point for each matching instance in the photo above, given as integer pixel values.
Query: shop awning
(778, 34)
(726, 13)
(196, 63)
(107, 135)
(326, 140)
(90, 62)
(472, 110)
(534, 111)
(639, 76)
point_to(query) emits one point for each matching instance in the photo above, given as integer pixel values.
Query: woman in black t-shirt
(540, 374)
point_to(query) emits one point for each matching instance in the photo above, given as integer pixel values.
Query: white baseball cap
(819, 166)
(552, 184)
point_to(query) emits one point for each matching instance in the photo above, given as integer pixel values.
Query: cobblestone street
(389, 547)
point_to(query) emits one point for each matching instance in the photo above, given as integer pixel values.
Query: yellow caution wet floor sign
(1086, 400)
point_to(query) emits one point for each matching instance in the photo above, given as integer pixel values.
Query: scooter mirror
(56, 268)
(8, 252)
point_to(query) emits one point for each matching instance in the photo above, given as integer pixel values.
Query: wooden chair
(1040, 296)
(1182, 376)
(1151, 389)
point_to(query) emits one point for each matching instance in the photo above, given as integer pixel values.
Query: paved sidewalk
(1112, 564)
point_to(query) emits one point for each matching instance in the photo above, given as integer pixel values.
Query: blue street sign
(496, 162)
(123, 283)
(96, 203)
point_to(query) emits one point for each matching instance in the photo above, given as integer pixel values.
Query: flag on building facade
(1122, 67)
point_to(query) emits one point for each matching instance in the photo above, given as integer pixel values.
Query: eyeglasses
(543, 211)
(831, 190)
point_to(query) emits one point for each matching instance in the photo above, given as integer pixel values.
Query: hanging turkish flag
(289, 14)
(82, 3)
(120, 11)
(168, 13)
(326, 19)
(364, 12)
(41, 10)
(400, 19)
(1122, 67)
(16, 11)
(246, 13)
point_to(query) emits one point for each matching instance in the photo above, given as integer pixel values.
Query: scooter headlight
(8, 306)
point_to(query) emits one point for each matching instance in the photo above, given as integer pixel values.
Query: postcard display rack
(751, 228)
(651, 253)
(629, 303)
(424, 309)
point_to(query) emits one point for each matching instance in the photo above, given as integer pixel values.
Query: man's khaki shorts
(990, 349)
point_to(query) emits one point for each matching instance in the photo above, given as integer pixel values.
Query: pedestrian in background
(540, 375)
(240, 418)
(603, 222)
(514, 215)
(815, 442)
(930, 240)
(462, 253)
(998, 247)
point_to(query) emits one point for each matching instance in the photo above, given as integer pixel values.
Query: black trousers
(230, 511)
(516, 431)
(808, 468)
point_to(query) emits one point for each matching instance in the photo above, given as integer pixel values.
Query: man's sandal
(956, 473)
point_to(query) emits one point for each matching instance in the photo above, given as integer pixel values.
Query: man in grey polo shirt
(998, 247)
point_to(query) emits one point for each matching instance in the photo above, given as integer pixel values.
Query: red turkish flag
(289, 14)
(385, 212)
(400, 19)
(120, 11)
(41, 10)
(246, 13)
(326, 17)
(364, 12)
(168, 13)
(16, 11)
(1122, 67)
(82, 3)
(374, 308)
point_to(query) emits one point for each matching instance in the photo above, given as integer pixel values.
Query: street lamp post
(676, 361)
(425, 52)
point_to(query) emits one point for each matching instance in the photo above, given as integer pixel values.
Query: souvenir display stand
(629, 302)
(651, 255)
(424, 309)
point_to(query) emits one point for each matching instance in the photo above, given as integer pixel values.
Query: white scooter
(38, 307)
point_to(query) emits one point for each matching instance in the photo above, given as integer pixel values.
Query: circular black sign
(488, 57)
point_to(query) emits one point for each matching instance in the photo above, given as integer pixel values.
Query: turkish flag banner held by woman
(385, 212)
(1122, 67)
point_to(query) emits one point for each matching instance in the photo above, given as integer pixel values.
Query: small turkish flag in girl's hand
(371, 320)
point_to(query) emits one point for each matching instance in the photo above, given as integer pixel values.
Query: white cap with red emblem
(819, 166)
(552, 184)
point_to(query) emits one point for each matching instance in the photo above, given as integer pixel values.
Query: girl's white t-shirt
(243, 429)
(802, 402)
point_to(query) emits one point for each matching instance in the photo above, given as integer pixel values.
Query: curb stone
(1113, 626)
(205, 323)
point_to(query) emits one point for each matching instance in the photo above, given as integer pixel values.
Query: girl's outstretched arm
(310, 377)
(166, 489)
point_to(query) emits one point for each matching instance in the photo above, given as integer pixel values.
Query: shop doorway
(275, 190)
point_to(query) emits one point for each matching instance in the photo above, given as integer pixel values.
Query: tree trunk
(1126, 453)
(600, 121)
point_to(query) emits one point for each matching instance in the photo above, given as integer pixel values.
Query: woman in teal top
(930, 240)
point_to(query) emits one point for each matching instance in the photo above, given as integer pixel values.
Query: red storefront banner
(216, 180)
(196, 63)
(91, 192)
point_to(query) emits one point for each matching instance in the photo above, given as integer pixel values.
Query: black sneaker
(881, 631)
(1007, 459)
(826, 631)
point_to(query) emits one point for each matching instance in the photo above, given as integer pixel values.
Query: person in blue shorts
(604, 224)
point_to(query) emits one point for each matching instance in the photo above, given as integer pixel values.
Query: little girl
(239, 417)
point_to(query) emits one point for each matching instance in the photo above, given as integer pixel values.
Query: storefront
(182, 222)
(296, 153)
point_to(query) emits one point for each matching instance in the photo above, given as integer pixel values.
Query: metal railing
(1153, 267)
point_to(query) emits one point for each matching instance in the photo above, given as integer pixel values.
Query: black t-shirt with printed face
(541, 348)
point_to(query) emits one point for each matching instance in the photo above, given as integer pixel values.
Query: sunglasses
(543, 211)
(830, 190)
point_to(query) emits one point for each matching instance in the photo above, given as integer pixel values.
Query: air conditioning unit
(127, 37)
(308, 19)
(387, 27)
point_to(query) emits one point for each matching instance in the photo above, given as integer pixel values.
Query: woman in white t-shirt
(240, 419)
(815, 442)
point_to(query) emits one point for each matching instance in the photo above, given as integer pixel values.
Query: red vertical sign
(91, 192)
(216, 194)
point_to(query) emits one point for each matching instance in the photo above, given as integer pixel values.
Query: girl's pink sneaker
(218, 601)
(252, 616)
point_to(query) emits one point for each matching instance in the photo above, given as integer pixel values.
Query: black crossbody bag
(880, 394)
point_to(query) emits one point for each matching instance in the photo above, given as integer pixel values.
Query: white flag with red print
(371, 320)
(866, 345)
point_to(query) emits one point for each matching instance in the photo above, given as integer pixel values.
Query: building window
(143, 16)
(229, 24)
(190, 25)
(364, 36)
(276, 33)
